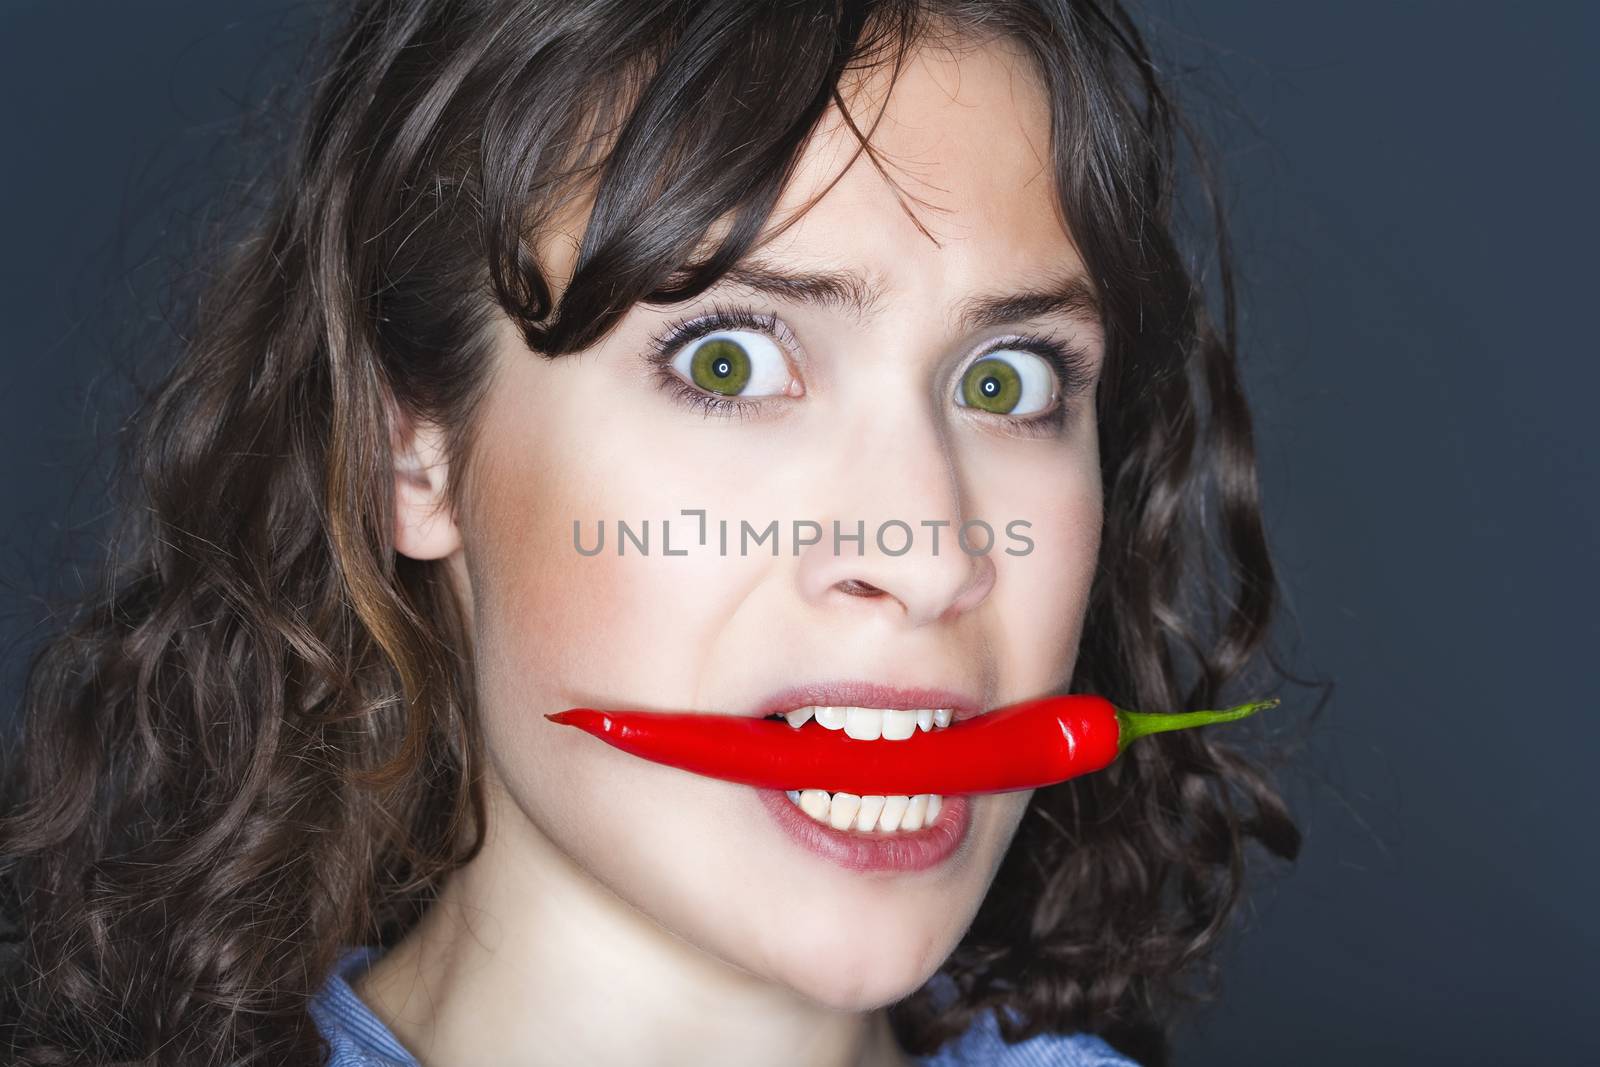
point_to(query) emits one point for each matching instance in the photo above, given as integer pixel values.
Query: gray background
(1412, 187)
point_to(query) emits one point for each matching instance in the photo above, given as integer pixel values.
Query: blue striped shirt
(358, 1038)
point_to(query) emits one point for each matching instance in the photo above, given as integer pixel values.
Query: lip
(853, 850)
(864, 694)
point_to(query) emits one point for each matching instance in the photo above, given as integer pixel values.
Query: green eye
(720, 365)
(993, 385)
(742, 363)
(1003, 387)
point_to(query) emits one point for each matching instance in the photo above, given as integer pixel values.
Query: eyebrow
(1072, 295)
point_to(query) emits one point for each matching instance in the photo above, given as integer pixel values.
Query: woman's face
(854, 414)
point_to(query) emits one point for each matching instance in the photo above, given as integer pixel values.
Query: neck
(524, 957)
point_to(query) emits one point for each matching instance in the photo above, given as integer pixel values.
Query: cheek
(583, 627)
(1042, 591)
(1051, 587)
(555, 628)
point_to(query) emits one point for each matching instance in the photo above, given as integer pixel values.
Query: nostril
(856, 587)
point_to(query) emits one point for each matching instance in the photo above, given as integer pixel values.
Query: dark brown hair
(257, 743)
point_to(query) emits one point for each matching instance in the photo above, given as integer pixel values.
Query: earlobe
(424, 527)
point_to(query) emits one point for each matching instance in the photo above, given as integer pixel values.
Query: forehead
(961, 196)
(966, 193)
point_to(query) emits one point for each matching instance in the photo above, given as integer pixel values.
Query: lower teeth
(847, 811)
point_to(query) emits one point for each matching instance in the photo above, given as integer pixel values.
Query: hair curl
(257, 744)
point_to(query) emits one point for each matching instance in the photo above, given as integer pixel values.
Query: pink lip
(872, 851)
(860, 694)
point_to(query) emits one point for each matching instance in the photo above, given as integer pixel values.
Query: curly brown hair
(257, 743)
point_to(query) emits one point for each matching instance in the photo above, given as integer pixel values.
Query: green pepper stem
(1136, 724)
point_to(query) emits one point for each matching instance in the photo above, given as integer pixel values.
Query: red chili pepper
(1022, 746)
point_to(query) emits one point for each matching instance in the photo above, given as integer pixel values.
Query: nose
(901, 493)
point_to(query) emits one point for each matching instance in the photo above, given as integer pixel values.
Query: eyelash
(1073, 368)
(666, 343)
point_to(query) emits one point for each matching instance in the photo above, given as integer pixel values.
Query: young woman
(863, 274)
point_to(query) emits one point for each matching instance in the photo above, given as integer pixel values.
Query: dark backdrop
(1412, 186)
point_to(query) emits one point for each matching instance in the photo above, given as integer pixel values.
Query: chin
(862, 963)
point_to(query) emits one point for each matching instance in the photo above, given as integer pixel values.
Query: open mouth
(887, 814)
(856, 784)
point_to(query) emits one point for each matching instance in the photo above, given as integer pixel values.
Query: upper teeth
(871, 724)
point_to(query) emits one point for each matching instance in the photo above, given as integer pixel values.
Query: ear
(424, 528)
